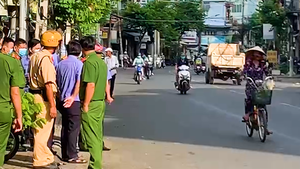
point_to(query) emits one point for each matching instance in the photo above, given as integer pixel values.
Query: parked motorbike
(138, 74)
(184, 79)
(13, 144)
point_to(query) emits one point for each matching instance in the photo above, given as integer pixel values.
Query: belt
(35, 91)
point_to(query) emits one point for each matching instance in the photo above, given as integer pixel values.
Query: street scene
(152, 126)
(149, 84)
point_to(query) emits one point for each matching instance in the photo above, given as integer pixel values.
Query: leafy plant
(30, 110)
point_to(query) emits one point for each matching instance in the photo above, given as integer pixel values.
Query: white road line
(233, 91)
(229, 114)
(289, 105)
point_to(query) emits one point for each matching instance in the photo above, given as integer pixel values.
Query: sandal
(77, 160)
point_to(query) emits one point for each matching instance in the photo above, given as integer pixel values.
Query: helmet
(51, 38)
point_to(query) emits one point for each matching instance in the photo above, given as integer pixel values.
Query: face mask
(10, 51)
(139, 57)
(182, 57)
(22, 52)
(36, 51)
(80, 55)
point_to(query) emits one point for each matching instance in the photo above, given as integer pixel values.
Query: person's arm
(49, 76)
(117, 62)
(89, 92)
(16, 100)
(88, 77)
(134, 62)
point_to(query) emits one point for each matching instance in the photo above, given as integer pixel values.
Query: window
(237, 8)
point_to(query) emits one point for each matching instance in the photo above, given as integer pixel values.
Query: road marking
(289, 105)
(233, 91)
(229, 114)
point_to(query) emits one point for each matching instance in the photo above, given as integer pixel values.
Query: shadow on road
(21, 161)
(163, 115)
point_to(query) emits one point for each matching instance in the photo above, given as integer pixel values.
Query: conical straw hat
(256, 48)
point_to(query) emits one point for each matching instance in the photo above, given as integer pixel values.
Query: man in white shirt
(112, 65)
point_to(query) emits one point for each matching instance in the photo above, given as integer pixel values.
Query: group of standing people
(77, 89)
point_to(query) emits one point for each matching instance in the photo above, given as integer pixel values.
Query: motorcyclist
(146, 64)
(125, 59)
(256, 69)
(181, 61)
(151, 64)
(139, 61)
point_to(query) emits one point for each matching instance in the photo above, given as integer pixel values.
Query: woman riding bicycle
(256, 69)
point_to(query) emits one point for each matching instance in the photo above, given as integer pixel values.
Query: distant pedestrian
(68, 81)
(112, 65)
(92, 96)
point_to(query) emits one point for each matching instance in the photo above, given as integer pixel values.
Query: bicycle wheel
(262, 125)
(12, 146)
(249, 128)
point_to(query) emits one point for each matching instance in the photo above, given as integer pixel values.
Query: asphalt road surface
(152, 126)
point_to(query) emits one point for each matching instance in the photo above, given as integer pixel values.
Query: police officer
(10, 97)
(43, 86)
(92, 96)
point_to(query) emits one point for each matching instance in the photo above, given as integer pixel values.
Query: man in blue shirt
(68, 81)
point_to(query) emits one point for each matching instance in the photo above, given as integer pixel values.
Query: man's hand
(85, 108)
(109, 100)
(18, 125)
(53, 112)
(69, 101)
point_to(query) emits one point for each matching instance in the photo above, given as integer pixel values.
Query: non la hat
(108, 50)
(256, 48)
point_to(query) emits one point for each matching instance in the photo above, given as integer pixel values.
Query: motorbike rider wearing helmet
(181, 61)
(256, 69)
(139, 61)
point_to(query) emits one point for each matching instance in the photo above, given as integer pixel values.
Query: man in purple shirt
(68, 81)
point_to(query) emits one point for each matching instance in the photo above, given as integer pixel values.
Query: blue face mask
(10, 51)
(22, 52)
(182, 57)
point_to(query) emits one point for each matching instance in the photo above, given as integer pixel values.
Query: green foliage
(84, 14)
(170, 19)
(272, 13)
(30, 110)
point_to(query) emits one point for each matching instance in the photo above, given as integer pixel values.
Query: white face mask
(36, 51)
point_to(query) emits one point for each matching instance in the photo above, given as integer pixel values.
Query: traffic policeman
(43, 86)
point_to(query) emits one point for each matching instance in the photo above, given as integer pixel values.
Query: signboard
(104, 35)
(143, 46)
(272, 56)
(189, 37)
(268, 32)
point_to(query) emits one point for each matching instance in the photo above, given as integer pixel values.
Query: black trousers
(70, 129)
(112, 84)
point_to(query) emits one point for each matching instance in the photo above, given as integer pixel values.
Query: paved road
(152, 126)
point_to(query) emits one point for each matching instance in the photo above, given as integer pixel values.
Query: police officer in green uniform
(92, 97)
(10, 98)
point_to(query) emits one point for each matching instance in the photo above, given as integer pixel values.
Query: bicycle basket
(262, 97)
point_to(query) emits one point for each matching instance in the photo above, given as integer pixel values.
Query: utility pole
(109, 32)
(41, 23)
(243, 15)
(22, 19)
(120, 36)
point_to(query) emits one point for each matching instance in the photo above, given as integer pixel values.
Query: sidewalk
(23, 160)
(285, 78)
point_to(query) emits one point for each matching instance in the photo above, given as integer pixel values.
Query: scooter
(138, 74)
(184, 79)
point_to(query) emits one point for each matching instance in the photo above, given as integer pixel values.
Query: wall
(236, 11)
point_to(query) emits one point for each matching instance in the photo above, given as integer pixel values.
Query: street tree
(84, 15)
(270, 12)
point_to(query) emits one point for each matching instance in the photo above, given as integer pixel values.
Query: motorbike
(138, 74)
(13, 144)
(262, 96)
(147, 70)
(184, 79)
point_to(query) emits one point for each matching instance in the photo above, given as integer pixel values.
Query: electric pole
(243, 15)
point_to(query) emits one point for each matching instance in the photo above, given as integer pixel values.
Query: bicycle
(258, 119)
